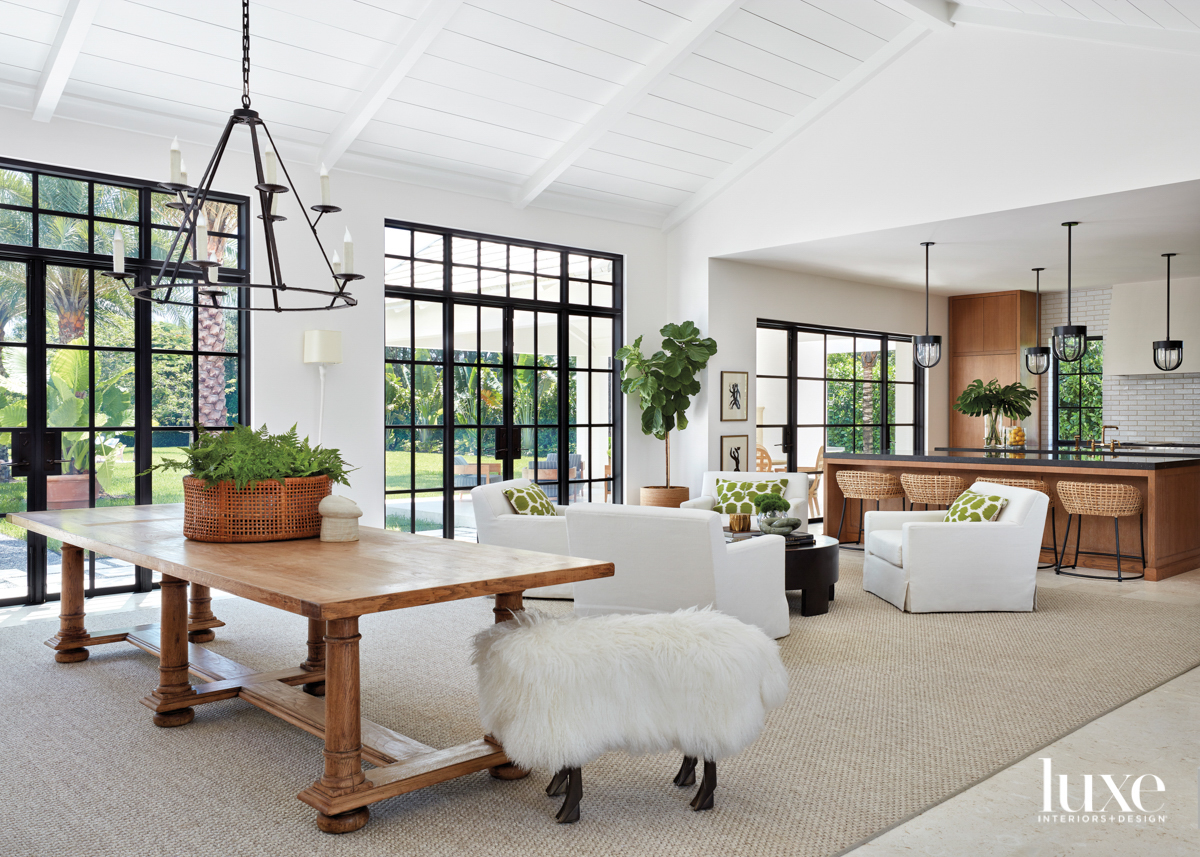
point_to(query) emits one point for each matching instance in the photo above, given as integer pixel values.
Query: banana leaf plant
(666, 381)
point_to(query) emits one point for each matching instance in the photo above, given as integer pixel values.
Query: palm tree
(222, 217)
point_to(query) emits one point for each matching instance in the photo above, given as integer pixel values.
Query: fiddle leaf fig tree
(666, 381)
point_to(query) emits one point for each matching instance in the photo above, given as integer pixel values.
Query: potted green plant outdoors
(665, 383)
(992, 401)
(244, 485)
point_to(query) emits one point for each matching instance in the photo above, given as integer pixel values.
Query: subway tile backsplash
(1146, 407)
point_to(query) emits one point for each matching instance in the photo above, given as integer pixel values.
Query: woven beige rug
(888, 713)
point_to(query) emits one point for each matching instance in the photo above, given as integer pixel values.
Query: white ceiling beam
(706, 22)
(1178, 41)
(72, 30)
(433, 19)
(874, 64)
(935, 14)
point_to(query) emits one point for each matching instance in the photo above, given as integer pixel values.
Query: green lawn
(428, 470)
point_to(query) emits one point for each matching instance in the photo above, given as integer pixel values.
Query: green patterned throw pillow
(976, 508)
(530, 500)
(737, 498)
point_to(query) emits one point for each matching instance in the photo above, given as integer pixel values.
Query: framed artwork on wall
(733, 396)
(735, 453)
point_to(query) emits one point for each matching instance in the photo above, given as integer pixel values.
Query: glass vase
(769, 518)
(992, 438)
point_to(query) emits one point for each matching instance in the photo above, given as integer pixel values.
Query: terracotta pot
(68, 492)
(660, 495)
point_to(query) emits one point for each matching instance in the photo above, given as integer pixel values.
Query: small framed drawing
(733, 395)
(735, 453)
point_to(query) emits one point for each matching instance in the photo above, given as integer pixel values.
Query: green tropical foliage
(246, 457)
(1010, 400)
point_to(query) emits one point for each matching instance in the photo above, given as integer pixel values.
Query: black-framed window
(1079, 396)
(469, 318)
(114, 384)
(839, 389)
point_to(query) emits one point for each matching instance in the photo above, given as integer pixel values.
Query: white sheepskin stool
(559, 692)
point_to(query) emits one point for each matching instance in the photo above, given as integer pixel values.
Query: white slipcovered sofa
(922, 565)
(497, 524)
(671, 559)
(795, 492)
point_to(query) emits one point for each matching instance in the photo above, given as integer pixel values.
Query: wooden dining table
(330, 583)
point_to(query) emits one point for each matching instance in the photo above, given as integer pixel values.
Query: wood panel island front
(1169, 485)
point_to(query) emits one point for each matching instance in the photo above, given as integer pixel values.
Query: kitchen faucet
(1103, 429)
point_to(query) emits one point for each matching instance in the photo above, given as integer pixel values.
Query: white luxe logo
(1102, 794)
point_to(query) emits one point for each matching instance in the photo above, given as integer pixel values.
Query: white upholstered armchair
(671, 559)
(796, 491)
(922, 565)
(497, 524)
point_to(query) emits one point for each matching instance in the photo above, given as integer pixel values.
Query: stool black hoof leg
(687, 772)
(569, 814)
(558, 785)
(708, 785)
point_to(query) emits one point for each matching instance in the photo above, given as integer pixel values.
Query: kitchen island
(1169, 485)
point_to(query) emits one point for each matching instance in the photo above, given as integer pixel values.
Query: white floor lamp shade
(322, 347)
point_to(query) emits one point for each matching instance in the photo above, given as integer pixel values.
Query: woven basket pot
(266, 512)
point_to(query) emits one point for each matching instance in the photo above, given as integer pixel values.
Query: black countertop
(1133, 461)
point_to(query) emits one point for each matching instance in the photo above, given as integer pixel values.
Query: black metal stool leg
(859, 538)
(1060, 558)
(1078, 533)
(842, 519)
(1117, 530)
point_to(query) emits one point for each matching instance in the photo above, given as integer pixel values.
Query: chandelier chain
(246, 54)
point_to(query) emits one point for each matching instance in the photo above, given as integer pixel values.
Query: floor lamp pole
(321, 407)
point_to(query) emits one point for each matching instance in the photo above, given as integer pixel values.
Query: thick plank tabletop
(384, 570)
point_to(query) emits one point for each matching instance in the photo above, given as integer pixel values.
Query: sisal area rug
(888, 713)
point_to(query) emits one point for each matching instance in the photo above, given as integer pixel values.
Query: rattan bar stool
(864, 485)
(929, 488)
(1105, 499)
(1035, 485)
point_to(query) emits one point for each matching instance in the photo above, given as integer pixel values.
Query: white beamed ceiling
(497, 92)
(1157, 14)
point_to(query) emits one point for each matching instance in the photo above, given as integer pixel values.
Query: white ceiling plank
(1152, 38)
(72, 31)
(932, 13)
(1164, 14)
(398, 63)
(605, 162)
(611, 196)
(790, 45)
(875, 18)
(578, 176)
(573, 28)
(29, 23)
(447, 123)
(702, 122)
(737, 54)
(1093, 11)
(361, 18)
(19, 76)
(644, 18)
(656, 153)
(818, 25)
(741, 84)
(844, 88)
(466, 149)
(479, 108)
(411, 149)
(24, 53)
(701, 97)
(712, 16)
(453, 76)
(642, 128)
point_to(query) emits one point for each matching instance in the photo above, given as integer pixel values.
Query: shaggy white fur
(559, 692)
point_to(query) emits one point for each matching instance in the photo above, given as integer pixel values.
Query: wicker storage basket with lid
(265, 512)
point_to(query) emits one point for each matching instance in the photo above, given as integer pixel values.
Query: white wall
(1138, 317)
(740, 294)
(283, 389)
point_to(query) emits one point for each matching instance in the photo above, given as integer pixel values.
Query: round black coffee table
(813, 569)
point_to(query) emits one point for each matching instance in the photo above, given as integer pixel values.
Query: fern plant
(246, 457)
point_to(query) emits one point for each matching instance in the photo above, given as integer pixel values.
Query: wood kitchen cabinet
(988, 336)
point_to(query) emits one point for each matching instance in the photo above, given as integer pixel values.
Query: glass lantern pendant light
(188, 276)
(1037, 358)
(927, 350)
(1070, 340)
(1168, 353)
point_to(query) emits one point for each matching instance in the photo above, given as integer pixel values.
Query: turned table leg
(70, 617)
(201, 614)
(343, 726)
(507, 604)
(316, 655)
(169, 699)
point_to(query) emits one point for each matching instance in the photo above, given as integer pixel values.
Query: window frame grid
(1079, 408)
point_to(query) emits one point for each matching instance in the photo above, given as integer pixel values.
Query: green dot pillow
(530, 500)
(737, 498)
(977, 508)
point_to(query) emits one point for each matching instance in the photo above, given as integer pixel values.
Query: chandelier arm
(265, 199)
(312, 225)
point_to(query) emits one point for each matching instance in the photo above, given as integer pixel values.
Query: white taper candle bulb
(269, 157)
(182, 172)
(202, 236)
(325, 193)
(118, 247)
(176, 162)
(336, 262)
(347, 253)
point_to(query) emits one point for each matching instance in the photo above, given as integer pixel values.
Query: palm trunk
(212, 369)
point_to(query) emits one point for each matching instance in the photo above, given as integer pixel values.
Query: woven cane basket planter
(265, 512)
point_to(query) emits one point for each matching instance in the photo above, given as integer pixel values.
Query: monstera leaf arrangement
(666, 381)
(991, 400)
(67, 403)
